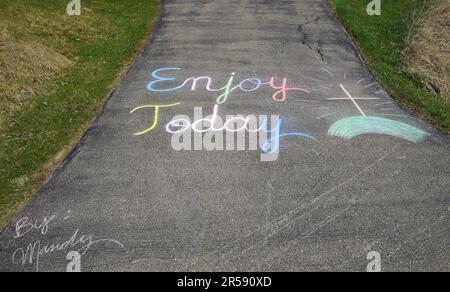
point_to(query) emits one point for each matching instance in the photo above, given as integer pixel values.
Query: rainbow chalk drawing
(351, 127)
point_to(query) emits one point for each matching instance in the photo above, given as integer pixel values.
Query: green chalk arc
(351, 127)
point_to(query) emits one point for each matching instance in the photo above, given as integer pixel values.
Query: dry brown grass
(37, 44)
(25, 68)
(428, 53)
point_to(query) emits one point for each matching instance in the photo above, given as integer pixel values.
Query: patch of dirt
(428, 53)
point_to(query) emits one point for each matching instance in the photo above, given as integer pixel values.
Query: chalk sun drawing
(351, 127)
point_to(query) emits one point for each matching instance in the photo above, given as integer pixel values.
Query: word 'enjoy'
(246, 85)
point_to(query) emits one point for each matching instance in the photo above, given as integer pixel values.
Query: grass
(383, 41)
(428, 54)
(44, 117)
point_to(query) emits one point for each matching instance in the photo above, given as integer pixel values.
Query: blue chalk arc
(351, 127)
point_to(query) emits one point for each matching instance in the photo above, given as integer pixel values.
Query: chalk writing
(181, 127)
(32, 253)
(209, 132)
(24, 226)
(246, 85)
(156, 108)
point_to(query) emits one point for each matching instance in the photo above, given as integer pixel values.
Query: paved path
(369, 177)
